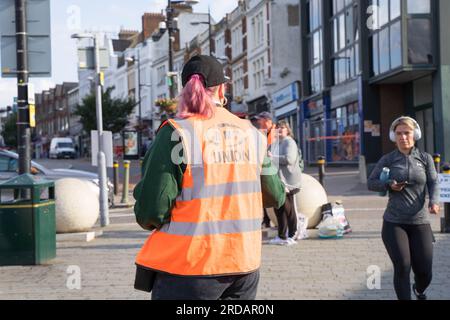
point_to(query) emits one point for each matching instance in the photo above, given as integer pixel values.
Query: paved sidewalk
(312, 269)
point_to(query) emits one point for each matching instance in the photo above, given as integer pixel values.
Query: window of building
(258, 30)
(236, 40)
(396, 45)
(315, 14)
(293, 15)
(386, 45)
(418, 6)
(344, 124)
(395, 9)
(161, 75)
(344, 23)
(238, 81)
(258, 75)
(419, 41)
(315, 45)
(220, 45)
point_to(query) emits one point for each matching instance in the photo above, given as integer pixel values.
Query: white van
(62, 148)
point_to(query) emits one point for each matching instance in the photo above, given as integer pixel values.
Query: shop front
(343, 142)
(314, 128)
(285, 104)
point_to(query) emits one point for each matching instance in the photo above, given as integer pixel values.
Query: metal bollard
(437, 162)
(126, 179)
(445, 221)
(141, 162)
(116, 177)
(321, 166)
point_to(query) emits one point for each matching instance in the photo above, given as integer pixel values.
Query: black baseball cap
(208, 67)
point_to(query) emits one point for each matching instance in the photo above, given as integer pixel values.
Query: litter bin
(27, 221)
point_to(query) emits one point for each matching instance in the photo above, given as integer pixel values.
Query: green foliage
(115, 112)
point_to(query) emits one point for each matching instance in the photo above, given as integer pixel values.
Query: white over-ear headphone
(417, 131)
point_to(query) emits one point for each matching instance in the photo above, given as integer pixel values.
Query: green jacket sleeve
(272, 188)
(155, 194)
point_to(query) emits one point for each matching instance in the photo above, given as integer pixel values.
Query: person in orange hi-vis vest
(206, 181)
(266, 125)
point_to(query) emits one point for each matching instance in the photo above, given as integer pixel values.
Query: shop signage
(285, 95)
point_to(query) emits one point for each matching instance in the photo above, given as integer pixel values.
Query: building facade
(365, 63)
(52, 116)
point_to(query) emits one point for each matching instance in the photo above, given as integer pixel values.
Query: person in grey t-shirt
(286, 155)
(406, 232)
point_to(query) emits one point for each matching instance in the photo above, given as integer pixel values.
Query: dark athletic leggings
(409, 246)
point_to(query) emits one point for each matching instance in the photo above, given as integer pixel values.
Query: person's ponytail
(195, 99)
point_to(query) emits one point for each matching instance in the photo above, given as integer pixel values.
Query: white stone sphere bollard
(76, 205)
(309, 201)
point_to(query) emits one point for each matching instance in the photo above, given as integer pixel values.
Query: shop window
(419, 41)
(418, 6)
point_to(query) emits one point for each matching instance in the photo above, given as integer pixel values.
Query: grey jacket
(286, 156)
(408, 205)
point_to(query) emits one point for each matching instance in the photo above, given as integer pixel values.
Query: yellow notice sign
(32, 115)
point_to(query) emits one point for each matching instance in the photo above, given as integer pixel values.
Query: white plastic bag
(339, 213)
(331, 228)
(302, 226)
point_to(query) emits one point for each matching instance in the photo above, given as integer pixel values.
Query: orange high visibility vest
(215, 226)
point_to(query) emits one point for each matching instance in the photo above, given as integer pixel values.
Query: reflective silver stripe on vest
(212, 227)
(220, 190)
(202, 191)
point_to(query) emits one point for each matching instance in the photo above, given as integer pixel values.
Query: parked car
(62, 148)
(9, 169)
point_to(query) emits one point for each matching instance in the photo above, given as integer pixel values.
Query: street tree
(10, 130)
(115, 112)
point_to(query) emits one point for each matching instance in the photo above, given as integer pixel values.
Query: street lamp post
(138, 60)
(194, 23)
(23, 125)
(101, 158)
(170, 29)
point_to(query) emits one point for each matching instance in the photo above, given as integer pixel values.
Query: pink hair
(195, 99)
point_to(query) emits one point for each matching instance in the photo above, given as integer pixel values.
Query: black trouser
(266, 219)
(409, 246)
(236, 287)
(287, 218)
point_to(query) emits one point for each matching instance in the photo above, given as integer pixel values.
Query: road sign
(38, 17)
(39, 43)
(32, 111)
(107, 147)
(86, 58)
(444, 186)
(30, 93)
(39, 56)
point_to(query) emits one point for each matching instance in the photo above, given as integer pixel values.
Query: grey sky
(70, 16)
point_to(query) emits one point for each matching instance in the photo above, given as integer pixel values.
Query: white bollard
(77, 206)
(309, 201)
